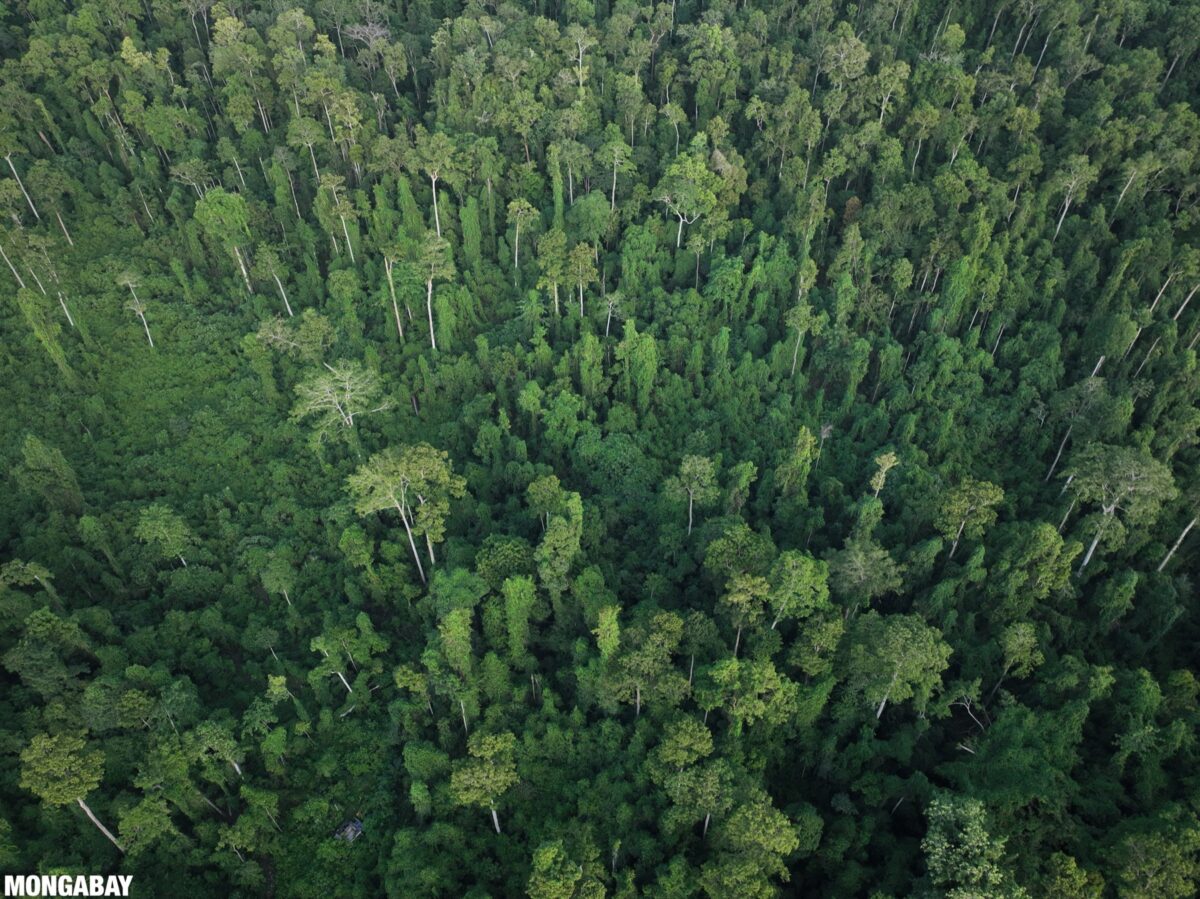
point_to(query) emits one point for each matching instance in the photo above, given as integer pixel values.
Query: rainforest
(601, 448)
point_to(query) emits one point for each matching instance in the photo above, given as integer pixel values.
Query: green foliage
(324, 506)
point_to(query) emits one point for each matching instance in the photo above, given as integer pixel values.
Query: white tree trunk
(437, 219)
(429, 310)
(412, 544)
(21, 184)
(1167, 558)
(104, 830)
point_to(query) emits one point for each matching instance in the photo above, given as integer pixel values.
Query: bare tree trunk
(1058, 455)
(242, 267)
(1167, 558)
(495, 820)
(66, 233)
(21, 184)
(429, 310)
(12, 268)
(387, 267)
(1186, 300)
(283, 293)
(151, 339)
(412, 544)
(1066, 207)
(437, 220)
(104, 830)
(1095, 542)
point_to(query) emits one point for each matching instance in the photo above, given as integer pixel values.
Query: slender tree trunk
(151, 339)
(690, 502)
(779, 615)
(387, 267)
(1167, 558)
(67, 312)
(412, 544)
(12, 268)
(1132, 175)
(495, 820)
(1066, 208)
(462, 708)
(429, 310)
(957, 537)
(1095, 542)
(1187, 299)
(283, 293)
(349, 243)
(242, 268)
(883, 702)
(1058, 455)
(21, 184)
(66, 233)
(342, 678)
(737, 641)
(437, 219)
(104, 830)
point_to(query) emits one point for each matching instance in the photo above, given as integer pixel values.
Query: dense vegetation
(702, 449)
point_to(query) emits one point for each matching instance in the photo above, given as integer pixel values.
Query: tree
(696, 482)
(688, 188)
(894, 658)
(744, 601)
(520, 211)
(135, 305)
(797, 586)
(165, 532)
(435, 156)
(225, 219)
(555, 875)
(1119, 480)
(968, 509)
(267, 265)
(616, 155)
(45, 470)
(1019, 642)
(862, 571)
(884, 463)
(435, 263)
(801, 318)
(334, 397)
(752, 844)
(582, 268)
(416, 481)
(552, 261)
(962, 858)
(59, 769)
(491, 771)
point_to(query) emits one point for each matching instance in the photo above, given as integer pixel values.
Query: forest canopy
(601, 448)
